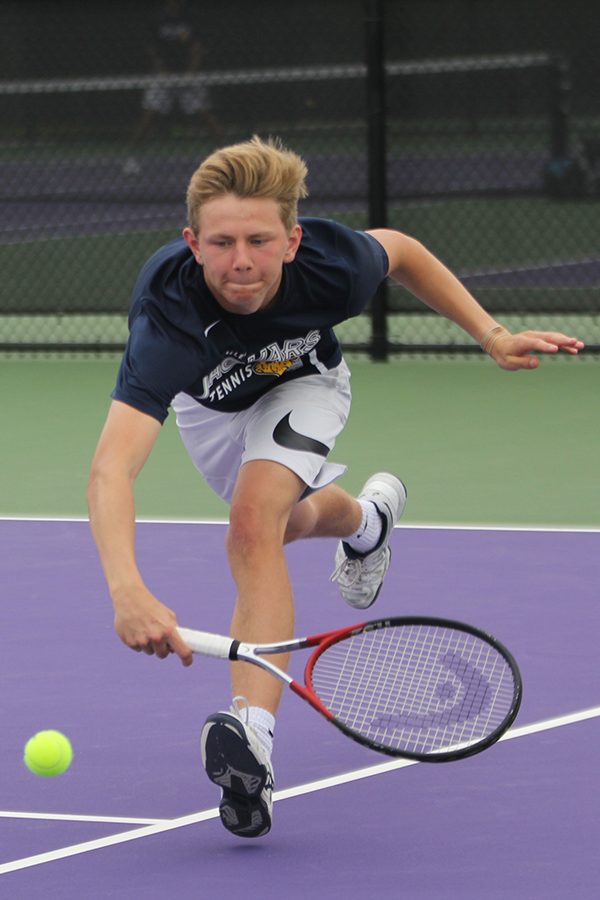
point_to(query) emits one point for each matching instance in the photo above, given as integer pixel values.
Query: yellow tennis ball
(48, 753)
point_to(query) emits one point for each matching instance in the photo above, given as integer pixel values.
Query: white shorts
(295, 424)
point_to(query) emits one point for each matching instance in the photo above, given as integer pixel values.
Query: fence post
(376, 158)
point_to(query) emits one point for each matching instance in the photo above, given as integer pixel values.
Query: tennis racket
(423, 688)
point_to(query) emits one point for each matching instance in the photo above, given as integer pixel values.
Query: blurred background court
(472, 124)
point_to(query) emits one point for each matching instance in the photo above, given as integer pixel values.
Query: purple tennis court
(136, 816)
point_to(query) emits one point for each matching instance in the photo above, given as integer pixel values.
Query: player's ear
(294, 239)
(192, 242)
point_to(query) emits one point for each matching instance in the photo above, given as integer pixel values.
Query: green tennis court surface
(473, 443)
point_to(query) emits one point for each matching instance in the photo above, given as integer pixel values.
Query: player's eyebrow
(265, 233)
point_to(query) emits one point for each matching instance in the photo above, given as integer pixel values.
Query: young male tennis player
(231, 325)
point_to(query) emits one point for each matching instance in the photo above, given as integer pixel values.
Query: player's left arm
(420, 272)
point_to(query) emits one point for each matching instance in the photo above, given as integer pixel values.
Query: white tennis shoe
(360, 576)
(235, 761)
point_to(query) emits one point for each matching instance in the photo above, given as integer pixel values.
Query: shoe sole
(232, 766)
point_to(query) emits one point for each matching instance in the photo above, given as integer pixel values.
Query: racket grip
(206, 643)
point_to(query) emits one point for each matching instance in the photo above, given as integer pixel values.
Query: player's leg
(156, 103)
(330, 512)
(237, 744)
(263, 498)
(365, 525)
(196, 101)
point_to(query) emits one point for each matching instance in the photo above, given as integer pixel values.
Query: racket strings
(416, 689)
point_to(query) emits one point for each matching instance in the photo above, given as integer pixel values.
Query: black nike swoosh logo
(285, 436)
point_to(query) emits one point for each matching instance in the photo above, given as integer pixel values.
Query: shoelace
(240, 707)
(348, 570)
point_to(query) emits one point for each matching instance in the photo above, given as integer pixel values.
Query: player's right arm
(141, 620)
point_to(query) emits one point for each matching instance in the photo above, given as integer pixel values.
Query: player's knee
(249, 528)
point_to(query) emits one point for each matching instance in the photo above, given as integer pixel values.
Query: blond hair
(254, 168)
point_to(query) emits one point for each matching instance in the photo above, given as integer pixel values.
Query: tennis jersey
(182, 340)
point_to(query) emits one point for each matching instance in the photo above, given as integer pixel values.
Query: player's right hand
(148, 626)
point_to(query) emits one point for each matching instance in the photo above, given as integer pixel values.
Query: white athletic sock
(262, 723)
(369, 531)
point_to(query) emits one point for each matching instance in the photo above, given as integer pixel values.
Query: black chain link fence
(473, 125)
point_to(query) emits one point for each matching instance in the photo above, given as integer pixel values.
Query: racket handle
(206, 643)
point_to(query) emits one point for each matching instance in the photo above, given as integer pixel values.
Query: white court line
(286, 794)
(542, 529)
(64, 817)
(139, 520)
(405, 526)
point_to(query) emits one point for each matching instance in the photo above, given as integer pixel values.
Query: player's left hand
(514, 351)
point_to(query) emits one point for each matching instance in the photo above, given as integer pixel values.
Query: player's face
(242, 245)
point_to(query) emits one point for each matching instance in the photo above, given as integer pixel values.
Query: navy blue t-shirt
(182, 340)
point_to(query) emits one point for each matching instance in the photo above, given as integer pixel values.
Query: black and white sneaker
(235, 761)
(360, 575)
